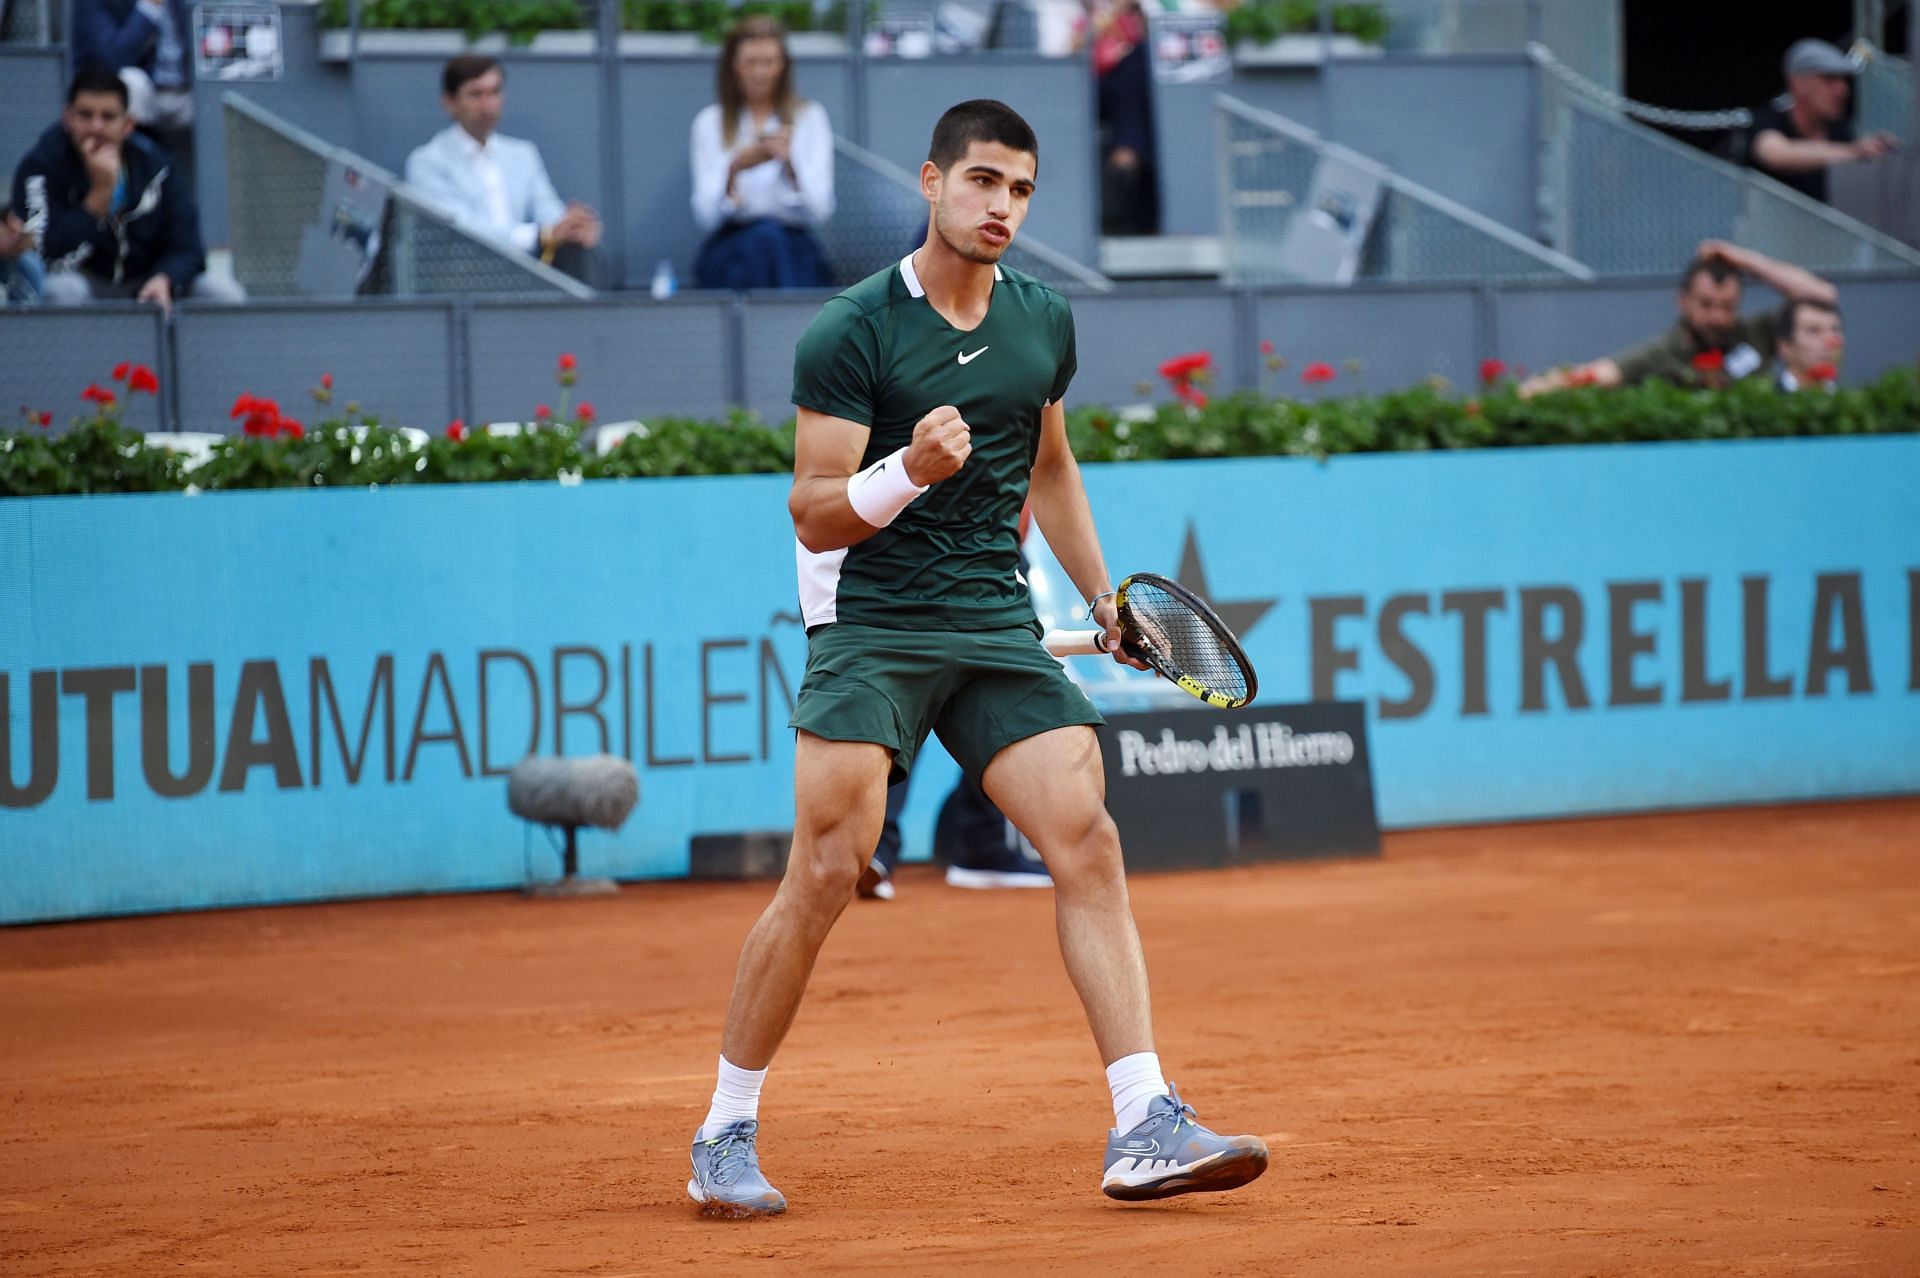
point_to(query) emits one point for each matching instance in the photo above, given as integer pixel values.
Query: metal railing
(1885, 89)
(880, 216)
(309, 219)
(1628, 200)
(1297, 208)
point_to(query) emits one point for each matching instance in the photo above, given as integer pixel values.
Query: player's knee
(1088, 849)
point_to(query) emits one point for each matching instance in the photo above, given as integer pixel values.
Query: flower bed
(520, 20)
(350, 447)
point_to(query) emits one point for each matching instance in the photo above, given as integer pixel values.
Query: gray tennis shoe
(726, 1174)
(1169, 1153)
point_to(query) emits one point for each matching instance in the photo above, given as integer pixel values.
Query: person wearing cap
(1796, 136)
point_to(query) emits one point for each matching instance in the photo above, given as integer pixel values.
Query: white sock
(735, 1096)
(1134, 1080)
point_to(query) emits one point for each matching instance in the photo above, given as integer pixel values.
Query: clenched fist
(941, 443)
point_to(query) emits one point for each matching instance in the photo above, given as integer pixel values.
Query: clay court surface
(1663, 1045)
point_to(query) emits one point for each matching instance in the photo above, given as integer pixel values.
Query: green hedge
(99, 456)
(1262, 20)
(521, 20)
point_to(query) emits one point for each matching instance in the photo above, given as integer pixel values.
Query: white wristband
(880, 492)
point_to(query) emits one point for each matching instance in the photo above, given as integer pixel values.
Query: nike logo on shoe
(968, 359)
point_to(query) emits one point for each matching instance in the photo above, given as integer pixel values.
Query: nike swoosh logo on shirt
(968, 359)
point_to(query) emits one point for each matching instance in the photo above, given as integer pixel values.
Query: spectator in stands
(1811, 344)
(762, 169)
(149, 44)
(103, 204)
(21, 272)
(490, 183)
(1796, 137)
(1122, 67)
(1710, 344)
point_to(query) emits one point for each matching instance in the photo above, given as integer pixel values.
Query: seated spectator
(1710, 344)
(1811, 344)
(1796, 137)
(149, 44)
(490, 183)
(103, 204)
(21, 271)
(762, 169)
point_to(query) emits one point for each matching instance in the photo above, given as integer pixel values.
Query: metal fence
(1296, 208)
(1626, 199)
(308, 219)
(879, 217)
(29, 21)
(1885, 88)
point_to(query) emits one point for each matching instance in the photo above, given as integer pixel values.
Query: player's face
(476, 106)
(1818, 338)
(97, 118)
(980, 202)
(1711, 307)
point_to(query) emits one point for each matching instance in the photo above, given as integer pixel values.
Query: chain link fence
(1627, 200)
(1885, 89)
(879, 217)
(306, 219)
(1298, 209)
(29, 22)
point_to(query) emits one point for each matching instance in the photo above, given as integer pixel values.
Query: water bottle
(663, 282)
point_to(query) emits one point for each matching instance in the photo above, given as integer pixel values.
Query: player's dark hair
(1713, 268)
(1790, 314)
(466, 68)
(94, 78)
(980, 120)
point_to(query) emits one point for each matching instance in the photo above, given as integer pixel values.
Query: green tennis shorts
(980, 690)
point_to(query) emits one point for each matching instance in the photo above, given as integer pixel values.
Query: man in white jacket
(490, 183)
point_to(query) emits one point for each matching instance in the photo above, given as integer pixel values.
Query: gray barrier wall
(32, 85)
(423, 363)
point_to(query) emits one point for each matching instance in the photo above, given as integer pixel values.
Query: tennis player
(929, 409)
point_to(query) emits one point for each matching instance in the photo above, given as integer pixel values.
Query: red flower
(542, 412)
(585, 414)
(326, 381)
(1823, 373)
(140, 379)
(95, 393)
(1492, 370)
(456, 430)
(120, 371)
(568, 363)
(1581, 377)
(1266, 347)
(288, 426)
(1181, 367)
(46, 419)
(1316, 373)
(243, 405)
(1710, 361)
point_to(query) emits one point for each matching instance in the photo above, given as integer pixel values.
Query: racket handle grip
(1075, 643)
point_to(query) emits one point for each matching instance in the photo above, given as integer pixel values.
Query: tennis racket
(1171, 629)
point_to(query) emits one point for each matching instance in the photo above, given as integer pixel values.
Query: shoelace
(728, 1161)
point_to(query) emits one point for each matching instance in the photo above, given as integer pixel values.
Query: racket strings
(1181, 640)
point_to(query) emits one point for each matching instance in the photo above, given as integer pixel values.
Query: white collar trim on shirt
(912, 277)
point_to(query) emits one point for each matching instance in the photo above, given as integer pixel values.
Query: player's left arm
(1060, 506)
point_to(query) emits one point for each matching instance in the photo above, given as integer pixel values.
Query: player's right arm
(835, 503)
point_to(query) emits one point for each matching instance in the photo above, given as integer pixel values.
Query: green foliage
(521, 20)
(1260, 21)
(98, 456)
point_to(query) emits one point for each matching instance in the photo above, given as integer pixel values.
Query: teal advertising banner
(250, 697)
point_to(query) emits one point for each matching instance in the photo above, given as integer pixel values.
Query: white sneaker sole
(960, 877)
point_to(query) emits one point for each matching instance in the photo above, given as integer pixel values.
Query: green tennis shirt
(880, 355)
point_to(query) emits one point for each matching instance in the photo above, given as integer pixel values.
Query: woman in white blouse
(762, 169)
